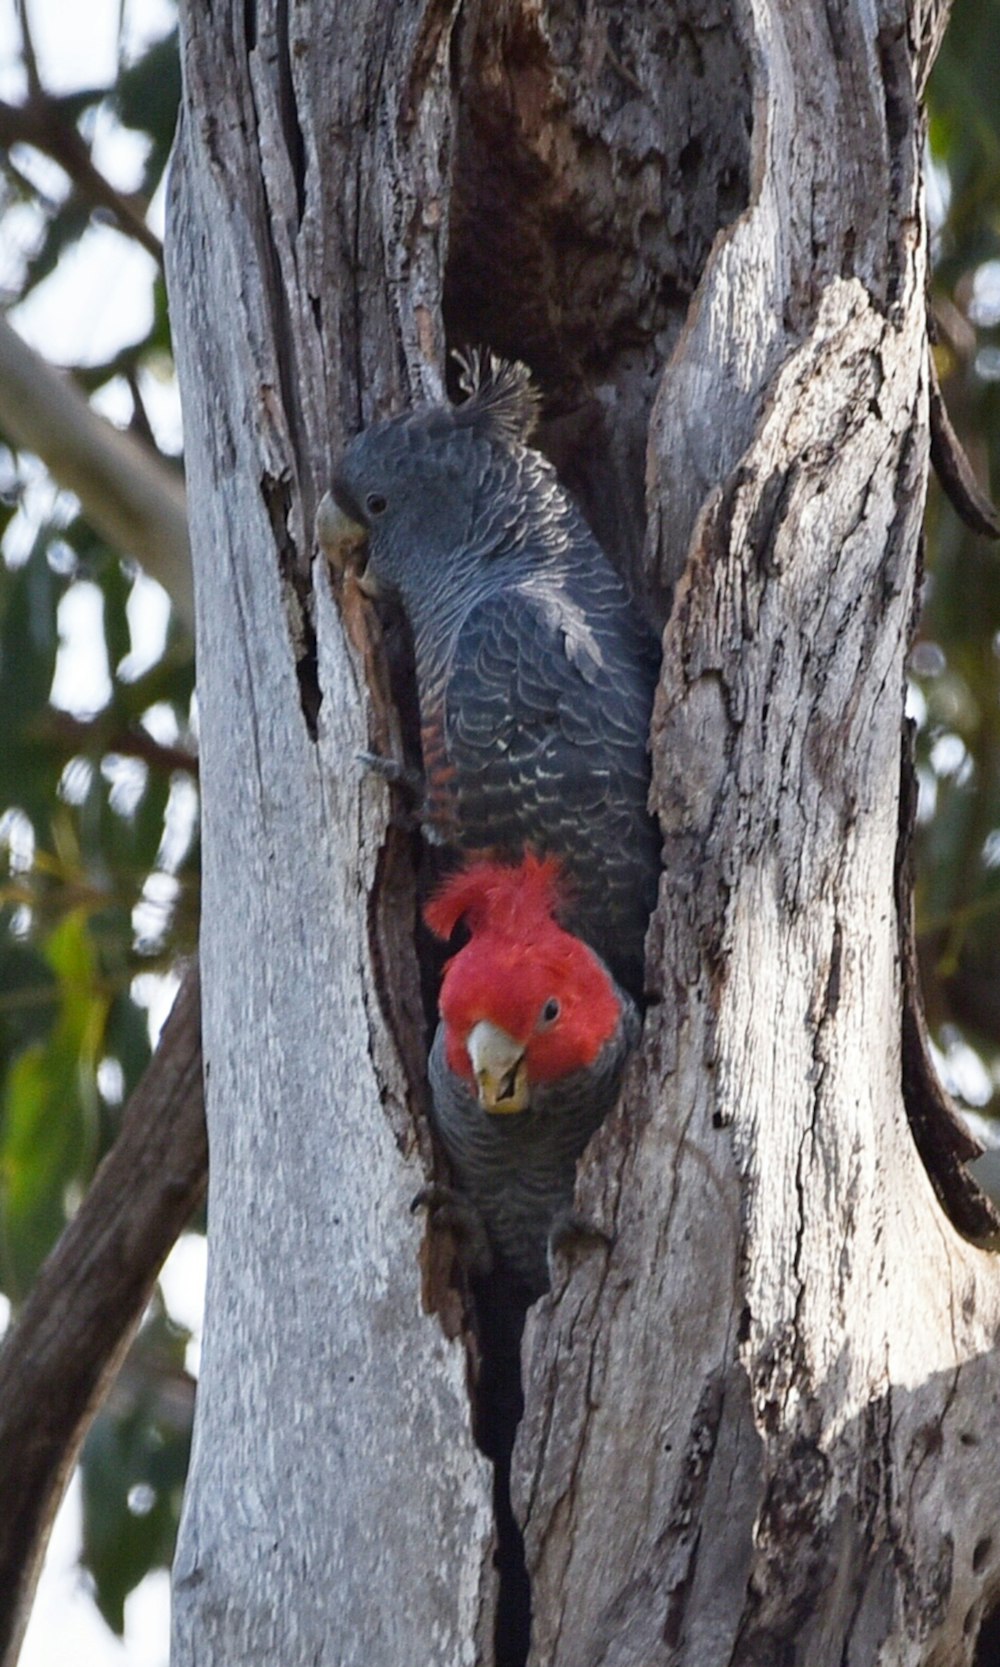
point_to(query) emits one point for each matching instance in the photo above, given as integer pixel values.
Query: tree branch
(953, 468)
(67, 731)
(39, 122)
(132, 498)
(942, 1138)
(58, 1362)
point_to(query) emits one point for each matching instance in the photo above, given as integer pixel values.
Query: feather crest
(517, 898)
(517, 965)
(503, 401)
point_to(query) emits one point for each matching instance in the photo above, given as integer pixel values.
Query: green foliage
(70, 953)
(134, 1464)
(48, 1127)
(98, 879)
(965, 135)
(28, 644)
(957, 660)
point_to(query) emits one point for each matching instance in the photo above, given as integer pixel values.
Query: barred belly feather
(519, 1169)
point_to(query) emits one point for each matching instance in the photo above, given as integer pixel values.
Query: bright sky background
(96, 301)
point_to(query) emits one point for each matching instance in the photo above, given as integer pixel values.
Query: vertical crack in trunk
(281, 143)
(277, 495)
(498, 1403)
(567, 251)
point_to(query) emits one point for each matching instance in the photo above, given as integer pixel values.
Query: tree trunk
(754, 1425)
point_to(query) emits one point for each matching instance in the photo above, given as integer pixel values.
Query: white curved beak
(342, 541)
(499, 1068)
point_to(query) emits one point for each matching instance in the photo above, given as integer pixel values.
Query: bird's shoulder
(562, 627)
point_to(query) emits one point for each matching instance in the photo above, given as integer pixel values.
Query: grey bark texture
(755, 1425)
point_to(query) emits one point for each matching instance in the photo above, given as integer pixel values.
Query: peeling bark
(752, 1424)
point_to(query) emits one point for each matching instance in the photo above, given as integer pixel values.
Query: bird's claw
(395, 772)
(570, 1233)
(448, 1210)
(429, 1197)
(406, 777)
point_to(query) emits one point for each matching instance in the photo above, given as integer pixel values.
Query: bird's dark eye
(375, 503)
(550, 1012)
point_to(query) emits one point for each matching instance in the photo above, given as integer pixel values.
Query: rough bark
(338, 1509)
(62, 1355)
(752, 1428)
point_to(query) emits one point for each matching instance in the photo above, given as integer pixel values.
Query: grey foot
(408, 815)
(448, 1210)
(572, 1236)
(395, 772)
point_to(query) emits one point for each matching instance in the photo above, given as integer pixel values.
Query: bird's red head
(521, 973)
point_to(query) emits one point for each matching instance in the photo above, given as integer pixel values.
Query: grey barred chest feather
(519, 1169)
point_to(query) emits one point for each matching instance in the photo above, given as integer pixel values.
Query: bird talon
(571, 1232)
(394, 771)
(447, 1210)
(431, 1197)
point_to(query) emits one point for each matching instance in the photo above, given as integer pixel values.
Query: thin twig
(953, 468)
(134, 742)
(28, 49)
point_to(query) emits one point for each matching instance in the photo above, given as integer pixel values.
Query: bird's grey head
(420, 495)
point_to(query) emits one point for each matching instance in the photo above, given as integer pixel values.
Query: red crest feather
(517, 965)
(515, 898)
